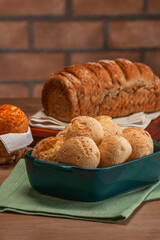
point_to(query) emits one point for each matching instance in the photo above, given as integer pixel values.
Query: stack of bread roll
(94, 142)
(12, 120)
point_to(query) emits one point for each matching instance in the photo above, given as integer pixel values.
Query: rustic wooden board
(40, 133)
(154, 129)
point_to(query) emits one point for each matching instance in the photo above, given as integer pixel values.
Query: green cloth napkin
(17, 195)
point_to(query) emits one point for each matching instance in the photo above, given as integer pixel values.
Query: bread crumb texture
(79, 151)
(48, 148)
(85, 126)
(141, 142)
(114, 150)
(109, 127)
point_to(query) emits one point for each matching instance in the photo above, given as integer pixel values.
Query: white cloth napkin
(41, 120)
(16, 141)
(139, 120)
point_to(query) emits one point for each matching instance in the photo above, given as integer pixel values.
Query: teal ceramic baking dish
(83, 184)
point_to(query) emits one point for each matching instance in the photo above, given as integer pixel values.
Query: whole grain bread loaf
(106, 87)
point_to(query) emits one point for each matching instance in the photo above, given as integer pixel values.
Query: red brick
(107, 7)
(37, 90)
(13, 34)
(80, 58)
(30, 7)
(13, 90)
(144, 33)
(153, 60)
(82, 34)
(29, 66)
(154, 6)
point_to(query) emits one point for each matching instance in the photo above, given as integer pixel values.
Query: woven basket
(10, 158)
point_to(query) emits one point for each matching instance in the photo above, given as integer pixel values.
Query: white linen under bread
(16, 141)
(138, 120)
(41, 120)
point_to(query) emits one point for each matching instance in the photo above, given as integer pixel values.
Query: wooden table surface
(143, 224)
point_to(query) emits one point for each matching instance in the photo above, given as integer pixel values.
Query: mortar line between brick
(30, 34)
(30, 89)
(142, 56)
(70, 17)
(19, 82)
(68, 58)
(106, 35)
(69, 51)
(145, 7)
(69, 8)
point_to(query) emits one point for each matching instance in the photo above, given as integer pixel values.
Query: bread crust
(79, 151)
(85, 126)
(59, 98)
(109, 127)
(115, 72)
(12, 120)
(141, 142)
(48, 148)
(114, 88)
(114, 150)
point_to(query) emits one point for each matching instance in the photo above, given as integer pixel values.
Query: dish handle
(50, 164)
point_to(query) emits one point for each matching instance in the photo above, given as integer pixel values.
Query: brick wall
(42, 36)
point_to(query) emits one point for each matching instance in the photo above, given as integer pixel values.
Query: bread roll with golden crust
(114, 150)
(141, 142)
(85, 126)
(12, 120)
(109, 127)
(62, 134)
(48, 148)
(106, 87)
(79, 151)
